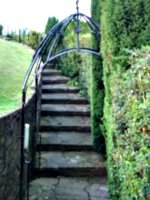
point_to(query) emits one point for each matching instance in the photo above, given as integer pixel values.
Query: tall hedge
(97, 87)
(129, 159)
(125, 25)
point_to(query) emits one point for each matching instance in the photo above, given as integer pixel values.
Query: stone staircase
(69, 167)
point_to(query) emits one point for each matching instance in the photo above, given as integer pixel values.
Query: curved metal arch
(86, 18)
(53, 37)
(38, 52)
(66, 51)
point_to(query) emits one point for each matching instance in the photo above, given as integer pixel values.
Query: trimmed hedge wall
(125, 25)
(129, 154)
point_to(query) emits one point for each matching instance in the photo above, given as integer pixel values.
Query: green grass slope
(14, 62)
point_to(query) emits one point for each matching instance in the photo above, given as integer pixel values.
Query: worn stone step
(70, 163)
(65, 141)
(50, 72)
(65, 123)
(68, 188)
(60, 98)
(65, 110)
(59, 88)
(54, 79)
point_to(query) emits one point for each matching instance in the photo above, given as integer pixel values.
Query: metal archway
(50, 43)
(54, 36)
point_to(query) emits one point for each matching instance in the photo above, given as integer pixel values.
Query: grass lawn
(14, 62)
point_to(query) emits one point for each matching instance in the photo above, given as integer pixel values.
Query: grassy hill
(14, 62)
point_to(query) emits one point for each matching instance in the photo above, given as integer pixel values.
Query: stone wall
(10, 130)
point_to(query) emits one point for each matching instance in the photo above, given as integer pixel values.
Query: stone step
(68, 188)
(70, 163)
(65, 141)
(65, 123)
(54, 79)
(59, 88)
(63, 98)
(50, 72)
(65, 110)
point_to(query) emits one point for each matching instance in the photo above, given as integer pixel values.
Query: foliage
(1, 29)
(31, 38)
(69, 64)
(34, 39)
(76, 65)
(125, 26)
(12, 73)
(129, 164)
(50, 23)
(97, 87)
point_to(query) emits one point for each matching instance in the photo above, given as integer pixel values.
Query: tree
(34, 39)
(1, 29)
(50, 23)
(97, 87)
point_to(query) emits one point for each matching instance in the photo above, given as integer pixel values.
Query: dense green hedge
(97, 87)
(125, 25)
(129, 156)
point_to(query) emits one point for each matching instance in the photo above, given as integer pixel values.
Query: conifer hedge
(97, 87)
(125, 25)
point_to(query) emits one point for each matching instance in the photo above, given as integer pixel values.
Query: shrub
(129, 141)
(34, 39)
(1, 29)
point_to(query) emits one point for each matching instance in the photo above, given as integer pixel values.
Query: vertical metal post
(28, 176)
(36, 119)
(77, 24)
(22, 145)
(39, 154)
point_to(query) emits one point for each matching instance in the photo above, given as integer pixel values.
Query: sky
(33, 14)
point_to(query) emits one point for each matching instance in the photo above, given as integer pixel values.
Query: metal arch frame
(66, 51)
(52, 40)
(54, 34)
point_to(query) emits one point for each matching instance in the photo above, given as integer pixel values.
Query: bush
(125, 24)
(34, 39)
(129, 140)
(1, 29)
